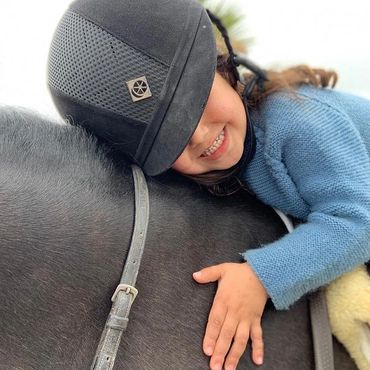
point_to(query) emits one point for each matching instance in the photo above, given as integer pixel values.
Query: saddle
(348, 301)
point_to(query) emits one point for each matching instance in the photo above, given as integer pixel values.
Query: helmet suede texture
(135, 73)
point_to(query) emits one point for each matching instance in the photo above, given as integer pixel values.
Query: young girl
(146, 78)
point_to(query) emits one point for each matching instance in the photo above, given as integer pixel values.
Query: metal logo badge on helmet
(139, 89)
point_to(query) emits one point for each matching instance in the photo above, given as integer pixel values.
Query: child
(145, 77)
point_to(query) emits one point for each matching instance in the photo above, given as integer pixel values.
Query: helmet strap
(259, 74)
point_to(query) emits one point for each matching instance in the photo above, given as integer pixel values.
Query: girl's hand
(235, 314)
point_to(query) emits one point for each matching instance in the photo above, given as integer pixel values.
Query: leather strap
(125, 293)
(321, 332)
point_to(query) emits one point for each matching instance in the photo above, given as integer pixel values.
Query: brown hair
(226, 182)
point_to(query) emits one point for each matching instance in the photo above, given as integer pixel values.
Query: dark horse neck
(66, 218)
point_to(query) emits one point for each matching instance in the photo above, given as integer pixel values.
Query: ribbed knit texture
(312, 162)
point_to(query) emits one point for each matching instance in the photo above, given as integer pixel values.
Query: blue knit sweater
(312, 161)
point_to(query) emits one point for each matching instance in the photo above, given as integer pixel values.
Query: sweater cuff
(256, 259)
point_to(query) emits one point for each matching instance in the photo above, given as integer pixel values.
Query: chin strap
(235, 60)
(258, 78)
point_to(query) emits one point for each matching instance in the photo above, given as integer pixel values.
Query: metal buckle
(128, 289)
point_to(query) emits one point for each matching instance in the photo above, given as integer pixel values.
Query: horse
(66, 219)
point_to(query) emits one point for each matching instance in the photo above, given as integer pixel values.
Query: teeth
(216, 144)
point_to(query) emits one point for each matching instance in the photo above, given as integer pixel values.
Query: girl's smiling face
(218, 141)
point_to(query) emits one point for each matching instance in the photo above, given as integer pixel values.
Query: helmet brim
(188, 103)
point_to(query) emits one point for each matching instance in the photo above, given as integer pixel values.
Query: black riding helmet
(135, 73)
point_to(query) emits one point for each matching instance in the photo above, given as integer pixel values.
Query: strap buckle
(128, 289)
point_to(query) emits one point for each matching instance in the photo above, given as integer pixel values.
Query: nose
(200, 134)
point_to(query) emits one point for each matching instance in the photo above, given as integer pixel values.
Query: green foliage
(233, 20)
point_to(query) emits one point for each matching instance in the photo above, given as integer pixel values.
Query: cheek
(217, 111)
(226, 109)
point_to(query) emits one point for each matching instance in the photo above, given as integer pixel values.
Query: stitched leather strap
(125, 293)
(321, 333)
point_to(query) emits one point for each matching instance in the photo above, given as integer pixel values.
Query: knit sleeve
(328, 164)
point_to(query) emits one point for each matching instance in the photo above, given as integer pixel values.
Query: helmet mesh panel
(89, 64)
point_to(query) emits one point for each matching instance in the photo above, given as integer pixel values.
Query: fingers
(238, 335)
(215, 322)
(208, 274)
(238, 347)
(223, 343)
(257, 343)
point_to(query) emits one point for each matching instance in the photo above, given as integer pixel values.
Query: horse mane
(26, 135)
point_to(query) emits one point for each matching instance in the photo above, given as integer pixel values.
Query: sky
(321, 33)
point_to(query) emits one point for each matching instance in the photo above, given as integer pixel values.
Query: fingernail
(259, 360)
(208, 351)
(197, 274)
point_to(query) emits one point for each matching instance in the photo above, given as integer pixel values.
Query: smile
(216, 145)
